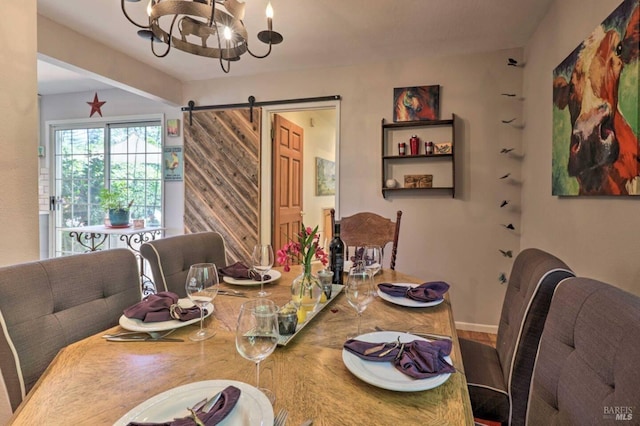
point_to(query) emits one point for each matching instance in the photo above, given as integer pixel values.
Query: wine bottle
(336, 249)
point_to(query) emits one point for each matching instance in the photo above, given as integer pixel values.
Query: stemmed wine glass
(359, 290)
(202, 287)
(257, 334)
(262, 261)
(372, 259)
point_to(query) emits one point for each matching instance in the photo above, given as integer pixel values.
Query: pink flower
(304, 250)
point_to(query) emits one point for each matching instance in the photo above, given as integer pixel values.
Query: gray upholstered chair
(498, 378)
(47, 305)
(587, 369)
(170, 258)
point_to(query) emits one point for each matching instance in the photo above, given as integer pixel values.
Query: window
(127, 155)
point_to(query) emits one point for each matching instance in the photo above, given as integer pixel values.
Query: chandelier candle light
(188, 24)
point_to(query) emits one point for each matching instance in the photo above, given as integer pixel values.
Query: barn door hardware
(191, 105)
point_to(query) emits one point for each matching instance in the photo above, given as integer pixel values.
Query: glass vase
(306, 291)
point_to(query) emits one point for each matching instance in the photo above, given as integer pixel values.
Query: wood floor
(486, 338)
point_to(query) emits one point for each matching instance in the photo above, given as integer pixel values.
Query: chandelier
(210, 28)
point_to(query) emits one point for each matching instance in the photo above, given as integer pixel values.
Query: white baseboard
(483, 328)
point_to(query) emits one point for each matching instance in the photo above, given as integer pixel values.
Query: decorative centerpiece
(306, 289)
(115, 203)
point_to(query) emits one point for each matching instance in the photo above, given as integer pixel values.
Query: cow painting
(596, 110)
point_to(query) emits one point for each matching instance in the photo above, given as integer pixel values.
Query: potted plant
(114, 202)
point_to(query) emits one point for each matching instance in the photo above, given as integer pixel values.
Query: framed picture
(442, 148)
(596, 105)
(173, 127)
(418, 181)
(418, 103)
(325, 177)
(173, 163)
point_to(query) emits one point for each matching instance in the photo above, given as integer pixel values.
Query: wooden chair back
(366, 228)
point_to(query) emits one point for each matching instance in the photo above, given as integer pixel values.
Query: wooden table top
(96, 382)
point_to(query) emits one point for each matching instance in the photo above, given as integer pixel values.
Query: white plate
(253, 407)
(383, 374)
(273, 274)
(405, 301)
(134, 324)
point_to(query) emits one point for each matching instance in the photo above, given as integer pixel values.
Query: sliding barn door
(222, 178)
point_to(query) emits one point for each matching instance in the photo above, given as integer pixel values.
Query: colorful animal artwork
(597, 110)
(416, 103)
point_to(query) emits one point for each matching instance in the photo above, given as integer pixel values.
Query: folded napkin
(427, 292)
(419, 359)
(218, 412)
(162, 306)
(239, 271)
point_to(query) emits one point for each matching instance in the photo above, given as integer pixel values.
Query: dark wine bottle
(336, 250)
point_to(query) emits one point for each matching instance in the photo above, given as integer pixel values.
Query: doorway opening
(320, 122)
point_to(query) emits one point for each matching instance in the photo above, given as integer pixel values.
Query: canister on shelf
(415, 144)
(428, 147)
(402, 148)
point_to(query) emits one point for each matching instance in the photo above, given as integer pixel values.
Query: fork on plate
(281, 417)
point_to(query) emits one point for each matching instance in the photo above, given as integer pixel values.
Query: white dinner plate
(134, 324)
(383, 374)
(405, 301)
(252, 409)
(273, 274)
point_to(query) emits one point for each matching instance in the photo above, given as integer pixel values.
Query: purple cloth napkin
(419, 359)
(218, 412)
(427, 292)
(162, 306)
(240, 271)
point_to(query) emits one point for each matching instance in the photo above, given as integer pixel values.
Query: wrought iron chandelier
(188, 25)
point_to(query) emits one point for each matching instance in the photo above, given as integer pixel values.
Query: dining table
(96, 382)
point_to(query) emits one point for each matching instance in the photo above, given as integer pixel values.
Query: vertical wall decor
(509, 178)
(596, 110)
(222, 177)
(173, 163)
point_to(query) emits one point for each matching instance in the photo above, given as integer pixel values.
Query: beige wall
(597, 237)
(61, 44)
(456, 240)
(19, 134)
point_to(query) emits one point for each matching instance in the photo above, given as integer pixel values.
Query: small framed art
(418, 103)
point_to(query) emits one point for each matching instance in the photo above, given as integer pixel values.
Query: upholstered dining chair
(499, 378)
(170, 258)
(586, 371)
(368, 228)
(49, 304)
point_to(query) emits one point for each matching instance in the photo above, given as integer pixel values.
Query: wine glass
(372, 259)
(257, 334)
(359, 291)
(202, 287)
(262, 261)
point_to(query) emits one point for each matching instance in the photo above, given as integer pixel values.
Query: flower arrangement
(304, 250)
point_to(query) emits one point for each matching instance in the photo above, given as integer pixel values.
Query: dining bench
(49, 304)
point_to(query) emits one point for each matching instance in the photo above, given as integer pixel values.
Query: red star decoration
(96, 105)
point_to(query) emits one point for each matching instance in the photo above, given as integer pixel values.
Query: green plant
(114, 199)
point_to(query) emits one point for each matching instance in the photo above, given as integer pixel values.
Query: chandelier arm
(226, 70)
(146, 27)
(168, 42)
(258, 56)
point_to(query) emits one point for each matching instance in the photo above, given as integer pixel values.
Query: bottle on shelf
(336, 250)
